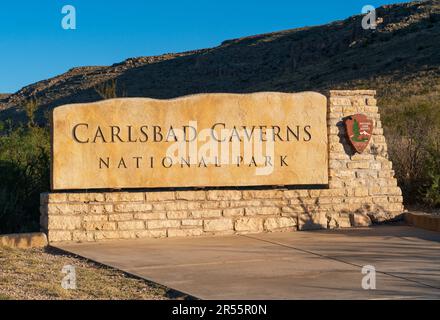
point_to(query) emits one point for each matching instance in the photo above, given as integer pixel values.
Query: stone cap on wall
(351, 93)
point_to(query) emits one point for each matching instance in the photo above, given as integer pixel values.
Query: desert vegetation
(412, 128)
(24, 172)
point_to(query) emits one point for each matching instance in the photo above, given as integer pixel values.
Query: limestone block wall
(362, 190)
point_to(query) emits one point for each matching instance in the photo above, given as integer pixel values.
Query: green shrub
(24, 174)
(431, 191)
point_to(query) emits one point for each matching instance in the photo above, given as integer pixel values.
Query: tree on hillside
(31, 107)
(108, 90)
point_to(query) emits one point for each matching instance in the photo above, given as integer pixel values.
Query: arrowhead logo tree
(359, 131)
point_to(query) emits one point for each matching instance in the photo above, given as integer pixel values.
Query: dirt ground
(37, 274)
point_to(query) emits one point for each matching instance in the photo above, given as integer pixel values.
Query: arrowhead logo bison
(359, 130)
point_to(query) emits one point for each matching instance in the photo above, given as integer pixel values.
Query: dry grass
(36, 274)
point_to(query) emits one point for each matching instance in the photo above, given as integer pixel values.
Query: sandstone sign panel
(206, 140)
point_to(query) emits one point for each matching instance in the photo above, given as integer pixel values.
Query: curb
(423, 221)
(24, 240)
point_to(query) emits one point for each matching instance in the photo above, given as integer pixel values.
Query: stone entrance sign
(207, 140)
(90, 140)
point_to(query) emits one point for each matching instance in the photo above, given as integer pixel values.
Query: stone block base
(129, 215)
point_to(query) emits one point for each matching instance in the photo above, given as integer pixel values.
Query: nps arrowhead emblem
(359, 131)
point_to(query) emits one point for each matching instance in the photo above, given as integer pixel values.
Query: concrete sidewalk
(297, 265)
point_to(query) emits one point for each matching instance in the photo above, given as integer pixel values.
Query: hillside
(400, 58)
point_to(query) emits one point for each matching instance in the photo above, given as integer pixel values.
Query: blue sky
(33, 46)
